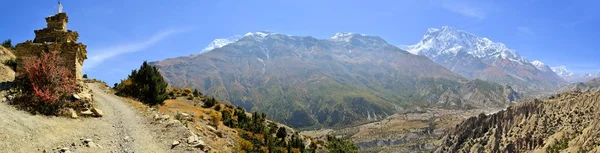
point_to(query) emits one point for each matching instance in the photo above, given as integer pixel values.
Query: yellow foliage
(126, 82)
(245, 145)
(176, 90)
(187, 90)
(215, 118)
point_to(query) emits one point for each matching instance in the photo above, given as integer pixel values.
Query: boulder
(97, 112)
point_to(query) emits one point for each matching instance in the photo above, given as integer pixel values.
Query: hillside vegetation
(566, 122)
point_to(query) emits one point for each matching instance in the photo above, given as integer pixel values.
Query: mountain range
(571, 77)
(477, 57)
(343, 80)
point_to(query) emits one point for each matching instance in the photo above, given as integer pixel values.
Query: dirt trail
(121, 129)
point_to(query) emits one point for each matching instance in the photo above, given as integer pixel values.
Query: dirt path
(121, 129)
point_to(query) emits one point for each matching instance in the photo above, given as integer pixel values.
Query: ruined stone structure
(56, 37)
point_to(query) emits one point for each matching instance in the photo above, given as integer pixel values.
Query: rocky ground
(414, 131)
(124, 127)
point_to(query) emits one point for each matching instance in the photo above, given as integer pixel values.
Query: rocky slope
(564, 123)
(344, 80)
(475, 57)
(591, 86)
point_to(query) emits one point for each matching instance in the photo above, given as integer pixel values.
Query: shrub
(7, 44)
(281, 133)
(176, 90)
(215, 118)
(218, 108)
(44, 85)
(187, 91)
(196, 93)
(85, 76)
(145, 84)
(209, 102)
(336, 145)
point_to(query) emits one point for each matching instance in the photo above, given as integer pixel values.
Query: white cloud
(470, 8)
(525, 32)
(99, 55)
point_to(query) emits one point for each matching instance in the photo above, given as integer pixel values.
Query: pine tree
(145, 84)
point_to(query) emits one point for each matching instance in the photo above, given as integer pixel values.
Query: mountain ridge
(477, 57)
(327, 82)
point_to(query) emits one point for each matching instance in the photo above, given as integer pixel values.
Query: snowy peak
(218, 43)
(562, 71)
(540, 66)
(259, 34)
(344, 36)
(450, 41)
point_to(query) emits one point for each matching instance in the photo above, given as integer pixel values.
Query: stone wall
(71, 54)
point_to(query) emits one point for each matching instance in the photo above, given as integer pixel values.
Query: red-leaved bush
(45, 85)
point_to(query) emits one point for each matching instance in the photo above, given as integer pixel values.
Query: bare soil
(122, 129)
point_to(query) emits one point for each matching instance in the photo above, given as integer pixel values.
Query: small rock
(212, 129)
(65, 149)
(87, 141)
(87, 112)
(91, 145)
(165, 117)
(73, 113)
(76, 97)
(156, 116)
(192, 139)
(97, 112)
(175, 143)
(200, 144)
(126, 138)
(173, 123)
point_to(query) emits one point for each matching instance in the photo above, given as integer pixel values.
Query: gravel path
(121, 129)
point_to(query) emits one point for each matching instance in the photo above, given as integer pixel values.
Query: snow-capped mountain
(450, 41)
(344, 36)
(562, 71)
(477, 57)
(571, 77)
(218, 43)
(541, 66)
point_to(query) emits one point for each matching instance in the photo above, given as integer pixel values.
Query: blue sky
(121, 34)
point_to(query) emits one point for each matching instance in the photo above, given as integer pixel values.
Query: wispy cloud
(478, 9)
(102, 54)
(525, 32)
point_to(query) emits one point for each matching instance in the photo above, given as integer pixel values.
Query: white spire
(60, 8)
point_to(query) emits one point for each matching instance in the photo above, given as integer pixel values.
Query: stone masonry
(56, 37)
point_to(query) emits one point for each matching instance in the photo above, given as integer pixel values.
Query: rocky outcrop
(7, 74)
(592, 86)
(567, 122)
